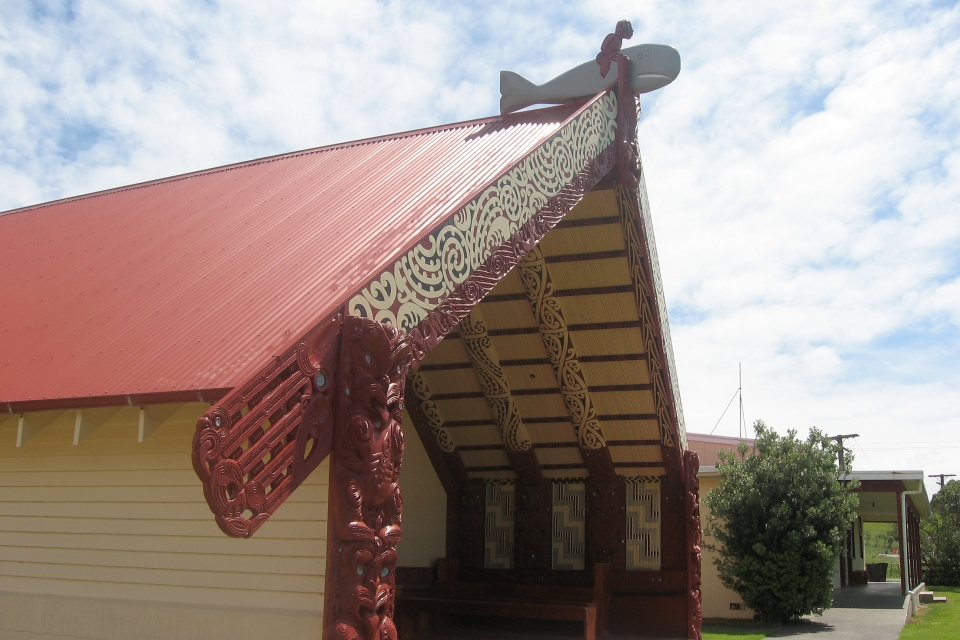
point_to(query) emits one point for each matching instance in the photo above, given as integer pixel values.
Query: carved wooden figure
(691, 466)
(365, 501)
(340, 389)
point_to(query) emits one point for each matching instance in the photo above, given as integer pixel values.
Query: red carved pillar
(691, 466)
(363, 529)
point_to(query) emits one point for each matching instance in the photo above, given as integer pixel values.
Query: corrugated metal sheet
(179, 285)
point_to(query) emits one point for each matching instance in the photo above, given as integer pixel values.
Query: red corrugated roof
(170, 287)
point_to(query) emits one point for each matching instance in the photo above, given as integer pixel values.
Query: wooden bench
(590, 605)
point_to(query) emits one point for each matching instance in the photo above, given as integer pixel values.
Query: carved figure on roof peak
(610, 49)
(653, 66)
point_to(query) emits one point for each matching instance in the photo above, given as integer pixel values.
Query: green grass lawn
(745, 630)
(936, 621)
(743, 634)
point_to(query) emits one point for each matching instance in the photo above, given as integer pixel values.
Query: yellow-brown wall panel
(519, 377)
(487, 458)
(464, 409)
(508, 314)
(560, 456)
(451, 381)
(607, 307)
(625, 372)
(541, 406)
(596, 204)
(553, 432)
(605, 342)
(620, 402)
(630, 429)
(576, 240)
(602, 272)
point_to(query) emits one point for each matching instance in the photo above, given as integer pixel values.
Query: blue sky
(803, 169)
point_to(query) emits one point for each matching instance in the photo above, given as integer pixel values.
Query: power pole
(840, 440)
(941, 476)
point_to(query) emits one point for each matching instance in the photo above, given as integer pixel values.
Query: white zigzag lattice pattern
(643, 526)
(420, 280)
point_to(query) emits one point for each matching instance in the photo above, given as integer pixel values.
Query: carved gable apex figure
(610, 49)
(653, 66)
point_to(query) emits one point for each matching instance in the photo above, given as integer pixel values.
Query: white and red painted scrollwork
(365, 501)
(691, 466)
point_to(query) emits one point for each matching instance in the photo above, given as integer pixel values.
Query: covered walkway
(875, 610)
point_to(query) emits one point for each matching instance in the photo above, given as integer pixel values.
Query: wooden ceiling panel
(633, 470)
(624, 402)
(529, 375)
(602, 308)
(565, 456)
(602, 342)
(447, 351)
(584, 274)
(510, 283)
(607, 373)
(476, 435)
(519, 347)
(486, 458)
(596, 204)
(465, 409)
(626, 430)
(646, 453)
(451, 381)
(493, 475)
(533, 407)
(592, 239)
(553, 432)
(509, 314)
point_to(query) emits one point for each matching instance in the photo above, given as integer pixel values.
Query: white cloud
(803, 169)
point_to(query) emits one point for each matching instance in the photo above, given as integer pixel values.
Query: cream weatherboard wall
(111, 538)
(717, 599)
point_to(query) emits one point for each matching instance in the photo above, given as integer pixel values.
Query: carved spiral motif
(420, 280)
(560, 349)
(493, 382)
(432, 412)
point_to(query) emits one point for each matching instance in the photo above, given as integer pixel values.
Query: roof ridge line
(275, 158)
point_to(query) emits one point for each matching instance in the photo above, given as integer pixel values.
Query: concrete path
(874, 611)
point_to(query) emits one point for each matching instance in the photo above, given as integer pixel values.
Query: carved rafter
(493, 382)
(562, 354)
(437, 440)
(636, 255)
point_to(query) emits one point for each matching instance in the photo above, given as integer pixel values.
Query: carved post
(691, 466)
(365, 504)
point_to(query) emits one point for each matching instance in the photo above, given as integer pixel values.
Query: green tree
(941, 537)
(779, 517)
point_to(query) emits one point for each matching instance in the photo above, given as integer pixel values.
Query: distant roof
(173, 289)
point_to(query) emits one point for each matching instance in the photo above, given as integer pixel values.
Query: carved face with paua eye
(377, 388)
(367, 583)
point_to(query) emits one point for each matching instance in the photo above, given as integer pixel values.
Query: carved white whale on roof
(652, 65)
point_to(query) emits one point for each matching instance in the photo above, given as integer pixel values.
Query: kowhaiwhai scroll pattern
(560, 350)
(493, 382)
(419, 281)
(432, 412)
